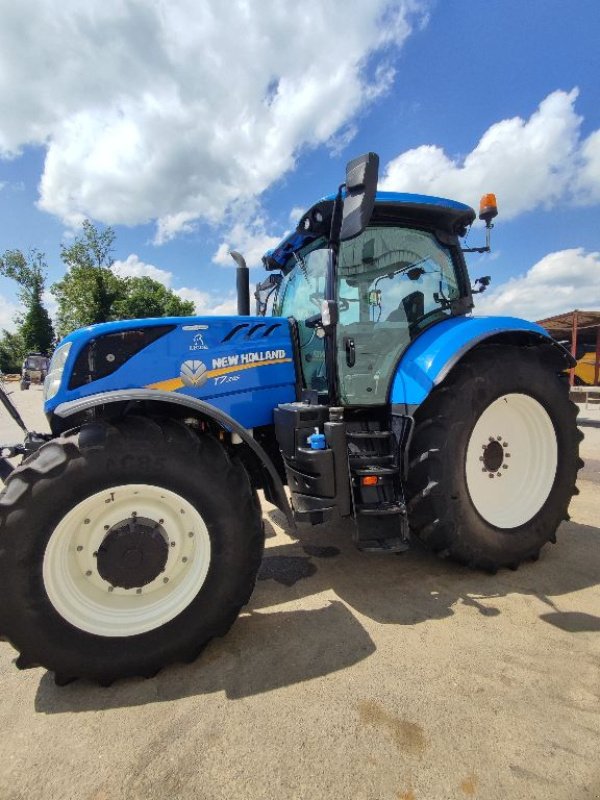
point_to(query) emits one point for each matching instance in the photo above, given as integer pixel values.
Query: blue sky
(193, 128)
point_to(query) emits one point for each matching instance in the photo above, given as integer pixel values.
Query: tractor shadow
(268, 648)
(261, 653)
(583, 422)
(415, 587)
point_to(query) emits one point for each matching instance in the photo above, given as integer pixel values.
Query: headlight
(55, 371)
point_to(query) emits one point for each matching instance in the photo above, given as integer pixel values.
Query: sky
(193, 128)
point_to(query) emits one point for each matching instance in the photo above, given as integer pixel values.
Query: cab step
(383, 510)
(374, 471)
(368, 435)
(385, 546)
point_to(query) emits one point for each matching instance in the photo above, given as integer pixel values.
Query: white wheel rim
(81, 595)
(512, 494)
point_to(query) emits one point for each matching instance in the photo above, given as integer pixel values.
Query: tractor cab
(404, 272)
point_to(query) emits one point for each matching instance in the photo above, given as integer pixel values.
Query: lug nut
(160, 521)
(138, 591)
(504, 466)
(165, 580)
(491, 475)
(184, 559)
(507, 455)
(95, 555)
(111, 588)
(86, 522)
(172, 544)
(491, 438)
(483, 469)
(498, 474)
(89, 572)
(191, 534)
(79, 548)
(481, 458)
(107, 527)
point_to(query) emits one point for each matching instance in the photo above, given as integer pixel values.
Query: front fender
(75, 408)
(429, 359)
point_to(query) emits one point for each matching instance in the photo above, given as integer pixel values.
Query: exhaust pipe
(242, 282)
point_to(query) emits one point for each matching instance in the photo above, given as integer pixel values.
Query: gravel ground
(348, 675)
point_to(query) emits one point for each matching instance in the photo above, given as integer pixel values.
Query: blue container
(317, 440)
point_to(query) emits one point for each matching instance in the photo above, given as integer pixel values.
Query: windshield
(391, 283)
(300, 296)
(36, 362)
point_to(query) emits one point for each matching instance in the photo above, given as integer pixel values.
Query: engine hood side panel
(242, 365)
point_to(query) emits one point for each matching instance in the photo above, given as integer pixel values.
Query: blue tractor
(132, 534)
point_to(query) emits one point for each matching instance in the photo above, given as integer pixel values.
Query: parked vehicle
(34, 370)
(133, 534)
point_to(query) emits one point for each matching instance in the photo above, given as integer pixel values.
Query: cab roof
(439, 213)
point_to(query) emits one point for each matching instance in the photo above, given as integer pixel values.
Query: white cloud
(588, 180)
(207, 303)
(133, 267)
(8, 310)
(247, 234)
(559, 282)
(528, 163)
(295, 214)
(174, 110)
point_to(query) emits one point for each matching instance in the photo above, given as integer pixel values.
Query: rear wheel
(124, 548)
(494, 458)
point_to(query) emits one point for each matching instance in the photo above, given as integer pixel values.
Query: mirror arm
(336, 220)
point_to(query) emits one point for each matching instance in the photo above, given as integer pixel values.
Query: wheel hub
(133, 553)
(493, 456)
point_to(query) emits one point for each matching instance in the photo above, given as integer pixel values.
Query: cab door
(392, 282)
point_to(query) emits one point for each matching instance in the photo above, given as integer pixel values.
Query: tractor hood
(242, 365)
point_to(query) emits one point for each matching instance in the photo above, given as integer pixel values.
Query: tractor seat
(410, 310)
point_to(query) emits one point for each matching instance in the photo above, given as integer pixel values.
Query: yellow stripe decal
(171, 384)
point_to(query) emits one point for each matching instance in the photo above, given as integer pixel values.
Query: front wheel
(124, 548)
(494, 458)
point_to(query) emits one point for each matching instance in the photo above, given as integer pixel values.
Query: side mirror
(361, 188)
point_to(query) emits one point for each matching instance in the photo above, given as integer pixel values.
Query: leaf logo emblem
(193, 373)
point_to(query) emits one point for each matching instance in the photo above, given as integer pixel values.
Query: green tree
(145, 297)
(91, 292)
(12, 352)
(35, 326)
(89, 289)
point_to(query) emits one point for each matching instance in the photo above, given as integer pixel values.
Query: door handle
(350, 351)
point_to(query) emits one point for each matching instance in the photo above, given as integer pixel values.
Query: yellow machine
(586, 369)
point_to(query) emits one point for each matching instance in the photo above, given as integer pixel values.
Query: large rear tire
(124, 548)
(494, 458)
